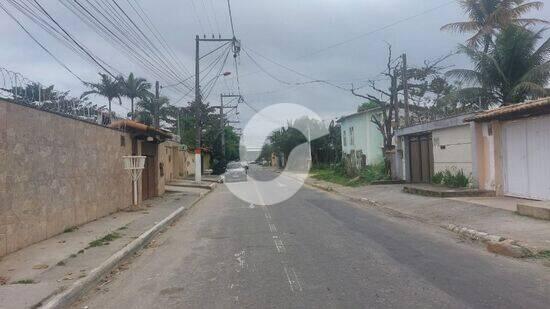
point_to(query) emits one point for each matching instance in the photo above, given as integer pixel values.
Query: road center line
(292, 279)
(280, 245)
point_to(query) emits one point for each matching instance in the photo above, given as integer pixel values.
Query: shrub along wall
(55, 173)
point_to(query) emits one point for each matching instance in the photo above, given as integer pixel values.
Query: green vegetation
(545, 254)
(24, 281)
(450, 179)
(337, 174)
(70, 229)
(105, 240)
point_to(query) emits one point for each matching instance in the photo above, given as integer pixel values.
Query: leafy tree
(325, 149)
(516, 69)
(34, 92)
(487, 18)
(146, 110)
(366, 106)
(135, 88)
(107, 87)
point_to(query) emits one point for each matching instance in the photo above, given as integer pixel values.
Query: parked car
(235, 172)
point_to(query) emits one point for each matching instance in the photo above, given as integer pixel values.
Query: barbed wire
(16, 88)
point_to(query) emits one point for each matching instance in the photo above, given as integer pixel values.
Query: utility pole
(198, 100)
(222, 118)
(405, 89)
(156, 121)
(222, 128)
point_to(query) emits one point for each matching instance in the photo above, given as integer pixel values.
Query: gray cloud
(285, 31)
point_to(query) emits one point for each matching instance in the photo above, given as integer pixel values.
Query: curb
(494, 243)
(77, 289)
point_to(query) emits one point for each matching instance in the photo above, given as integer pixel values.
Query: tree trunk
(484, 87)
(132, 109)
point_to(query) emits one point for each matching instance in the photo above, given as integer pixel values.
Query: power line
(162, 38)
(85, 50)
(40, 44)
(231, 17)
(311, 79)
(376, 30)
(124, 38)
(197, 15)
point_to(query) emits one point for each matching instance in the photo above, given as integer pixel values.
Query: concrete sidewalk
(36, 273)
(451, 213)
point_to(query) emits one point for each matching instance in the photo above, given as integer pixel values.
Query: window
(344, 137)
(351, 136)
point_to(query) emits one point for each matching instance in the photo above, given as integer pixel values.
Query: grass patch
(450, 179)
(105, 240)
(337, 174)
(70, 229)
(545, 254)
(24, 281)
(122, 228)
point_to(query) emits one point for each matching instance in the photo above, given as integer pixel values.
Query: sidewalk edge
(77, 289)
(494, 243)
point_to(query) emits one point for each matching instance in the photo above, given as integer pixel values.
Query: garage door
(526, 157)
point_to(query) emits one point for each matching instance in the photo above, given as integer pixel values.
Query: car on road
(235, 172)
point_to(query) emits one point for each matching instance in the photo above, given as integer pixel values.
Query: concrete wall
(174, 160)
(55, 173)
(452, 149)
(489, 157)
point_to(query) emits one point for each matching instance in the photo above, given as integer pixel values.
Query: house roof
(412, 107)
(358, 113)
(521, 110)
(439, 124)
(140, 129)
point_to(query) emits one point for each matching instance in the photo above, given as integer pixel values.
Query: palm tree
(516, 69)
(146, 110)
(489, 16)
(107, 87)
(135, 88)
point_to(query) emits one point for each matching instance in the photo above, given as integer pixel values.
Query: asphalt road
(315, 251)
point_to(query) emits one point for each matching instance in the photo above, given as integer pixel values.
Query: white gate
(526, 157)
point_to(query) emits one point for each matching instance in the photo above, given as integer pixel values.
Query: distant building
(362, 142)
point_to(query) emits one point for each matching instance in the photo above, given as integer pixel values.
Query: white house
(361, 140)
(511, 149)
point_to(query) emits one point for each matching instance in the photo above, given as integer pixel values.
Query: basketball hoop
(134, 165)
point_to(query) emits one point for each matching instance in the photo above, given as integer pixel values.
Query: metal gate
(421, 158)
(526, 153)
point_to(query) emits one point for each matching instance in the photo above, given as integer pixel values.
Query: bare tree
(387, 100)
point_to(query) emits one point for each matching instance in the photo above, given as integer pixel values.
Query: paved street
(315, 251)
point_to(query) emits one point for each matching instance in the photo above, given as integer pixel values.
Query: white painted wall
(452, 149)
(367, 137)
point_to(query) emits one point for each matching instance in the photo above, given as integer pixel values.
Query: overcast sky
(289, 32)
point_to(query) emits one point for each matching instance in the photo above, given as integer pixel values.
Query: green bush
(336, 173)
(450, 179)
(437, 178)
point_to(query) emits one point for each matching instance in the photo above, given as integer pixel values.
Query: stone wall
(55, 173)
